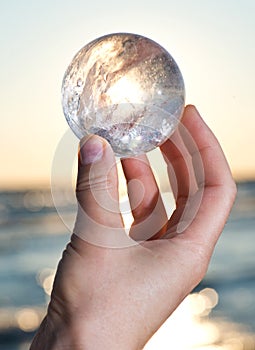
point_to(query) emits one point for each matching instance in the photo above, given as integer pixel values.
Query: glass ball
(125, 88)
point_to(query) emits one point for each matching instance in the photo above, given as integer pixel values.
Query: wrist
(54, 335)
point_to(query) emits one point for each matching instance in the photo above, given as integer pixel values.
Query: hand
(108, 297)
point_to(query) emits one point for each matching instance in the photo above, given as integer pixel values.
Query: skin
(117, 298)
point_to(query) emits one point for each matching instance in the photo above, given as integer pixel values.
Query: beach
(33, 236)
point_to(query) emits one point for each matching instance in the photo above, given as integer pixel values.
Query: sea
(33, 236)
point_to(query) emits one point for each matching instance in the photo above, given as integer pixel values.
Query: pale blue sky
(213, 43)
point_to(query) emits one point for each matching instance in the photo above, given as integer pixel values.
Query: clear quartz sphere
(125, 88)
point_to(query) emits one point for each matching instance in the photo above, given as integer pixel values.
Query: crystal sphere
(125, 88)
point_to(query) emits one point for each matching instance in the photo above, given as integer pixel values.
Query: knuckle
(230, 191)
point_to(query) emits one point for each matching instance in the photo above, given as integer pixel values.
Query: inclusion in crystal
(125, 88)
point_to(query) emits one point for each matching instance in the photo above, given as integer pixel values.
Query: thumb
(97, 191)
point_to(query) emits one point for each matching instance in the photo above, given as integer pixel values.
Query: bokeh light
(28, 319)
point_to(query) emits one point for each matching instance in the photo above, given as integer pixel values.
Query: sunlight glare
(45, 279)
(27, 319)
(48, 284)
(210, 297)
(190, 328)
(125, 91)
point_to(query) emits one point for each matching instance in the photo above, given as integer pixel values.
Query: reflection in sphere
(125, 88)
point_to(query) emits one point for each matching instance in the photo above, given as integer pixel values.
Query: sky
(213, 43)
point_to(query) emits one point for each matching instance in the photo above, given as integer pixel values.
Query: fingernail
(91, 150)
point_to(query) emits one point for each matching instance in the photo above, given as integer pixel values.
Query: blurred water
(32, 238)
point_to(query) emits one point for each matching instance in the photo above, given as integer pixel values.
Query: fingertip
(193, 123)
(191, 107)
(91, 149)
(189, 112)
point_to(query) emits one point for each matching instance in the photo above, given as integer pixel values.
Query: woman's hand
(112, 292)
